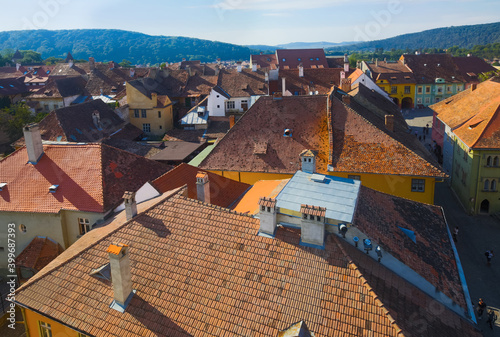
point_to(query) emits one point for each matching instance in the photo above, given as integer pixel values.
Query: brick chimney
(308, 161)
(473, 86)
(121, 276)
(203, 187)
(91, 63)
(312, 229)
(389, 122)
(345, 84)
(231, 121)
(130, 205)
(33, 141)
(346, 63)
(267, 216)
(301, 70)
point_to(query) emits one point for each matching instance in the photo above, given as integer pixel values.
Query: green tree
(13, 118)
(125, 64)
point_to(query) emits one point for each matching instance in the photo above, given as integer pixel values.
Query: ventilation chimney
(345, 84)
(91, 63)
(267, 216)
(238, 66)
(346, 63)
(132, 72)
(217, 70)
(389, 122)
(267, 77)
(203, 187)
(346, 99)
(96, 119)
(33, 141)
(130, 205)
(312, 230)
(308, 161)
(154, 99)
(231, 121)
(189, 70)
(18, 65)
(473, 86)
(283, 86)
(254, 67)
(119, 263)
(301, 70)
(376, 62)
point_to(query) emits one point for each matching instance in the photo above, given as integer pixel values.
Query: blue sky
(252, 21)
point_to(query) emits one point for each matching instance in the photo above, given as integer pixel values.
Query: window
(318, 218)
(262, 208)
(464, 177)
(311, 217)
(161, 127)
(45, 329)
(218, 96)
(299, 59)
(486, 185)
(427, 90)
(407, 89)
(495, 161)
(459, 87)
(218, 106)
(418, 185)
(136, 113)
(230, 105)
(22, 228)
(437, 99)
(83, 225)
(353, 176)
(488, 161)
(419, 90)
(304, 216)
(465, 155)
(493, 185)
(439, 89)
(269, 209)
(146, 128)
(419, 100)
(46, 107)
(427, 100)
(159, 114)
(448, 88)
(143, 113)
(284, 60)
(394, 90)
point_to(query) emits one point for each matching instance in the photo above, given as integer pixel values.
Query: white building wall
(216, 104)
(368, 82)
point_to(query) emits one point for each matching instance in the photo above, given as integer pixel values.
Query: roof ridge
(227, 210)
(378, 302)
(174, 193)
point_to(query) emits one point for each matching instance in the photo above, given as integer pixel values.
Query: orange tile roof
(115, 248)
(267, 202)
(312, 210)
(208, 273)
(91, 178)
(249, 202)
(38, 253)
(223, 191)
(474, 116)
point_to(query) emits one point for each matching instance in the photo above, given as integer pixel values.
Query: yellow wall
(136, 100)
(31, 321)
(399, 186)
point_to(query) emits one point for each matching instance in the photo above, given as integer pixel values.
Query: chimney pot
(346, 63)
(130, 205)
(33, 141)
(231, 121)
(389, 122)
(267, 216)
(345, 84)
(473, 86)
(301, 70)
(308, 161)
(203, 187)
(283, 86)
(121, 277)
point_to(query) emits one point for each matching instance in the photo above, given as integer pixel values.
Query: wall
(58, 330)
(70, 223)
(400, 94)
(368, 82)
(215, 99)
(429, 97)
(482, 172)
(464, 178)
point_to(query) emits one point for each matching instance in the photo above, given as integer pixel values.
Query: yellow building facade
(153, 115)
(37, 325)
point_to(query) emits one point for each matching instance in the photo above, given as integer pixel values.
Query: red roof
(310, 58)
(39, 253)
(320, 79)
(91, 177)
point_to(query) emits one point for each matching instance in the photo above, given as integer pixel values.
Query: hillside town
(290, 194)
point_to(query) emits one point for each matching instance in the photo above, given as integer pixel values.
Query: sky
(244, 22)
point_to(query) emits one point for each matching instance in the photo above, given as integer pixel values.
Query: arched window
(495, 161)
(493, 185)
(486, 185)
(488, 161)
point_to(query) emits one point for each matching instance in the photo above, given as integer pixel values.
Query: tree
(13, 118)
(125, 64)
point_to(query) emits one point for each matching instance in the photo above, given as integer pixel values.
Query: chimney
(254, 67)
(238, 66)
(346, 63)
(267, 216)
(33, 141)
(203, 187)
(96, 119)
(189, 70)
(473, 86)
(403, 60)
(301, 70)
(183, 59)
(312, 228)
(121, 277)
(217, 70)
(70, 63)
(130, 205)
(231, 121)
(218, 60)
(261, 53)
(91, 63)
(267, 77)
(389, 122)
(342, 74)
(346, 99)
(308, 161)
(18, 65)
(132, 72)
(376, 62)
(154, 99)
(345, 84)
(283, 86)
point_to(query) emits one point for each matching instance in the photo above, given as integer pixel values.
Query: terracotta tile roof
(267, 120)
(355, 74)
(428, 67)
(361, 143)
(393, 71)
(267, 202)
(62, 87)
(308, 57)
(38, 253)
(199, 85)
(470, 67)
(223, 191)
(12, 86)
(12, 72)
(200, 270)
(63, 69)
(265, 60)
(431, 256)
(216, 130)
(320, 79)
(76, 124)
(91, 177)
(245, 84)
(312, 210)
(474, 116)
(109, 80)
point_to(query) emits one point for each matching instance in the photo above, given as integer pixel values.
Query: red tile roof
(470, 67)
(428, 67)
(265, 60)
(393, 71)
(223, 191)
(200, 270)
(91, 177)
(38, 253)
(320, 79)
(308, 57)
(243, 84)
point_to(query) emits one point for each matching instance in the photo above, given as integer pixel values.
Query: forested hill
(460, 36)
(116, 45)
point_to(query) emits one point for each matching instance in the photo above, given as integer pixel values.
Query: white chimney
(132, 72)
(96, 119)
(121, 276)
(130, 205)
(238, 66)
(254, 67)
(267, 216)
(18, 65)
(203, 187)
(376, 62)
(312, 228)
(70, 62)
(33, 141)
(346, 63)
(308, 161)
(301, 70)
(267, 77)
(342, 74)
(283, 85)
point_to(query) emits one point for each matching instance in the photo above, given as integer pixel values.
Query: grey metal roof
(193, 118)
(337, 195)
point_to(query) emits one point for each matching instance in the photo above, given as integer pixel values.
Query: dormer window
(2, 186)
(53, 188)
